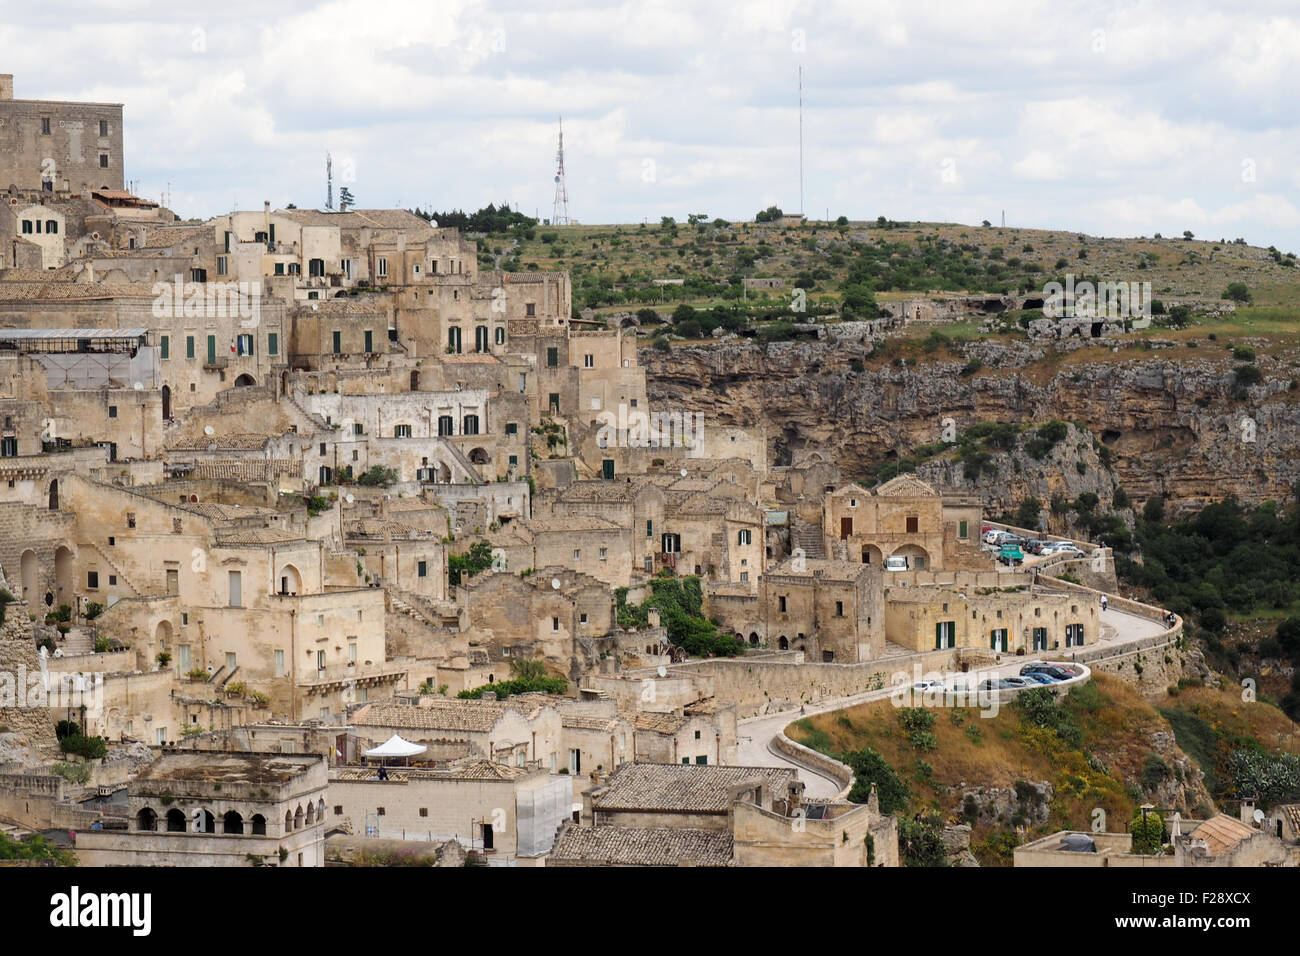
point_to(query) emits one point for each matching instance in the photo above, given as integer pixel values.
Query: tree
(842, 221)
(1027, 513)
(345, 199)
(770, 214)
(465, 566)
(1187, 235)
(1148, 831)
(870, 767)
(920, 842)
(1154, 509)
(1237, 292)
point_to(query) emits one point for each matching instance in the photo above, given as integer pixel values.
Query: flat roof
(29, 334)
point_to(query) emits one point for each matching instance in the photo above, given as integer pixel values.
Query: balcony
(216, 362)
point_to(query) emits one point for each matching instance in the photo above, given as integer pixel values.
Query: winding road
(755, 734)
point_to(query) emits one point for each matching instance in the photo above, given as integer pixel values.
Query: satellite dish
(349, 498)
(208, 430)
(555, 583)
(1259, 816)
(683, 472)
(138, 386)
(663, 671)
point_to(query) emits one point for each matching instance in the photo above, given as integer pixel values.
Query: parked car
(1035, 545)
(994, 536)
(1006, 683)
(1056, 547)
(924, 685)
(895, 562)
(1038, 677)
(1054, 670)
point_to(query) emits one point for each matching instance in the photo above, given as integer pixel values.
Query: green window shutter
(189, 346)
(552, 357)
(961, 530)
(165, 342)
(272, 343)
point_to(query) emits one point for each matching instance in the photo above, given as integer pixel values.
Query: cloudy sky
(1113, 118)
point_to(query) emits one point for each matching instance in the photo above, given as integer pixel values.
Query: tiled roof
(1222, 833)
(475, 716)
(681, 787)
(261, 469)
(660, 723)
(906, 486)
(642, 846)
(588, 722)
(562, 523)
(1292, 813)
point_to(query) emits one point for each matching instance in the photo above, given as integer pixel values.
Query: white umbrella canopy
(395, 746)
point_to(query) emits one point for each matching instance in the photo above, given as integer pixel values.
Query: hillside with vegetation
(1043, 765)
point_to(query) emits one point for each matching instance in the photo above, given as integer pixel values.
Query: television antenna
(560, 212)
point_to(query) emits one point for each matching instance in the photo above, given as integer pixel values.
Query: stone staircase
(77, 641)
(808, 537)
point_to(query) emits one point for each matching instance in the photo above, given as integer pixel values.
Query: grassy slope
(1117, 723)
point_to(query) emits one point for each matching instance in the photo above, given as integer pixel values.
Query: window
(445, 425)
(577, 554)
(164, 345)
(589, 361)
(103, 127)
(27, 227)
(780, 604)
(130, 519)
(552, 357)
(338, 342)
(500, 335)
(103, 160)
(244, 344)
(555, 624)
(235, 584)
(530, 309)
(745, 537)
(839, 608)
(369, 341)
(45, 126)
(424, 811)
(272, 343)
(422, 569)
(112, 411)
(9, 449)
(470, 425)
(279, 663)
(92, 580)
(553, 401)
(514, 460)
(322, 448)
(604, 554)
(223, 266)
(913, 524)
(672, 543)
(702, 760)
(381, 267)
(649, 528)
(189, 346)
(582, 619)
(316, 267)
(962, 530)
(944, 634)
(480, 338)
(402, 431)
(512, 428)
(52, 226)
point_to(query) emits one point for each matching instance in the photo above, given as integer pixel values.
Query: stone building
(503, 811)
(832, 610)
(192, 808)
(1020, 617)
(52, 146)
(904, 517)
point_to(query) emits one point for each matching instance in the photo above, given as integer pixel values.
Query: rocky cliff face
(1176, 421)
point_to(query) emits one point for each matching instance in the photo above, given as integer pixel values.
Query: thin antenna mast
(560, 211)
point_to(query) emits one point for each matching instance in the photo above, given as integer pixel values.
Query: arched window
(288, 821)
(146, 819)
(320, 809)
(175, 821)
(232, 822)
(297, 819)
(259, 825)
(311, 814)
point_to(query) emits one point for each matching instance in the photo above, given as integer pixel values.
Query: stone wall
(19, 660)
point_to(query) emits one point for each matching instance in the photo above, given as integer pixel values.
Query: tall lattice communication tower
(560, 213)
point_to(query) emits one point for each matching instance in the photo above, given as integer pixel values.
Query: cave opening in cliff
(1109, 436)
(1096, 330)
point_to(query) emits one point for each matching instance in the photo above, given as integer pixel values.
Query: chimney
(6, 86)
(1248, 811)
